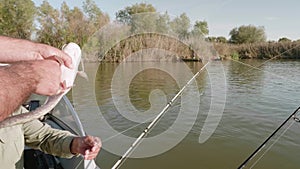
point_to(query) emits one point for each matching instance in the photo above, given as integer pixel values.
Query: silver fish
(68, 77)
(35, 114)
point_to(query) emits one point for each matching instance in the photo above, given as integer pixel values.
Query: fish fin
(82, 64)
(64, 84)
(83, 74)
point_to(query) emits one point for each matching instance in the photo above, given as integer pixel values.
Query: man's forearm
(16, 86)
(10, 50)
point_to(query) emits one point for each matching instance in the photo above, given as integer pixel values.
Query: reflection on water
(258, 100)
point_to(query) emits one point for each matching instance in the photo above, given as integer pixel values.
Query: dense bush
(267, 50)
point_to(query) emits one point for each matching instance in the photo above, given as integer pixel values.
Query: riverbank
(178, 50)
(267, 50)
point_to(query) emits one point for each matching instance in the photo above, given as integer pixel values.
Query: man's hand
(45, 51)
(87, 146)
(48, 77)
(14, 50)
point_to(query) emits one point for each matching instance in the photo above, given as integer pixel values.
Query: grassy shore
(267, 50)
(191, 50)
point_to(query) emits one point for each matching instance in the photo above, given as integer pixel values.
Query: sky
(279, 18)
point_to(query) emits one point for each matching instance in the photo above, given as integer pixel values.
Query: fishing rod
(292, 116)
(156, 119)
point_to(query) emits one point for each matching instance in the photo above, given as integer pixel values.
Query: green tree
(221, 39)
(50, 31)
(284, 39)
(144, 22)
(200, 28)
(58, 27)
(80, 25)
(211, 39)
(17, 18)
(125, 15)
(95, 15)
(247, 34)
(180, 26)
(162, 23)
(77, 28)
(140, 17)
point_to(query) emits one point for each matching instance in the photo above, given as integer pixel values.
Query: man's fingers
(89, 140)
(67, 60)
(94, 143)
(56, 58)
(97, 141)
(90, 156)
(62, 60)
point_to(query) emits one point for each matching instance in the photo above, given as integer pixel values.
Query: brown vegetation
(149, 41)
(266, 50)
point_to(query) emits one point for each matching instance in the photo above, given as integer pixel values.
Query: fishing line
(152, 124)
(276, 56)
(292, 116)
(134, 126)
(272, 145)
(257, 67)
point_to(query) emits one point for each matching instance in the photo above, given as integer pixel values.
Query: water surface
(257, 102)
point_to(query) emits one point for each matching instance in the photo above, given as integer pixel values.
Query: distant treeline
(264, 50)
(45, 24)
(136, 27)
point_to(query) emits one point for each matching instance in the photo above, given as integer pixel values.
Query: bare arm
(12, 50)
(19, 80)
(15, 87)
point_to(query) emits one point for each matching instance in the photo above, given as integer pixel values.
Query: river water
(255, 100)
